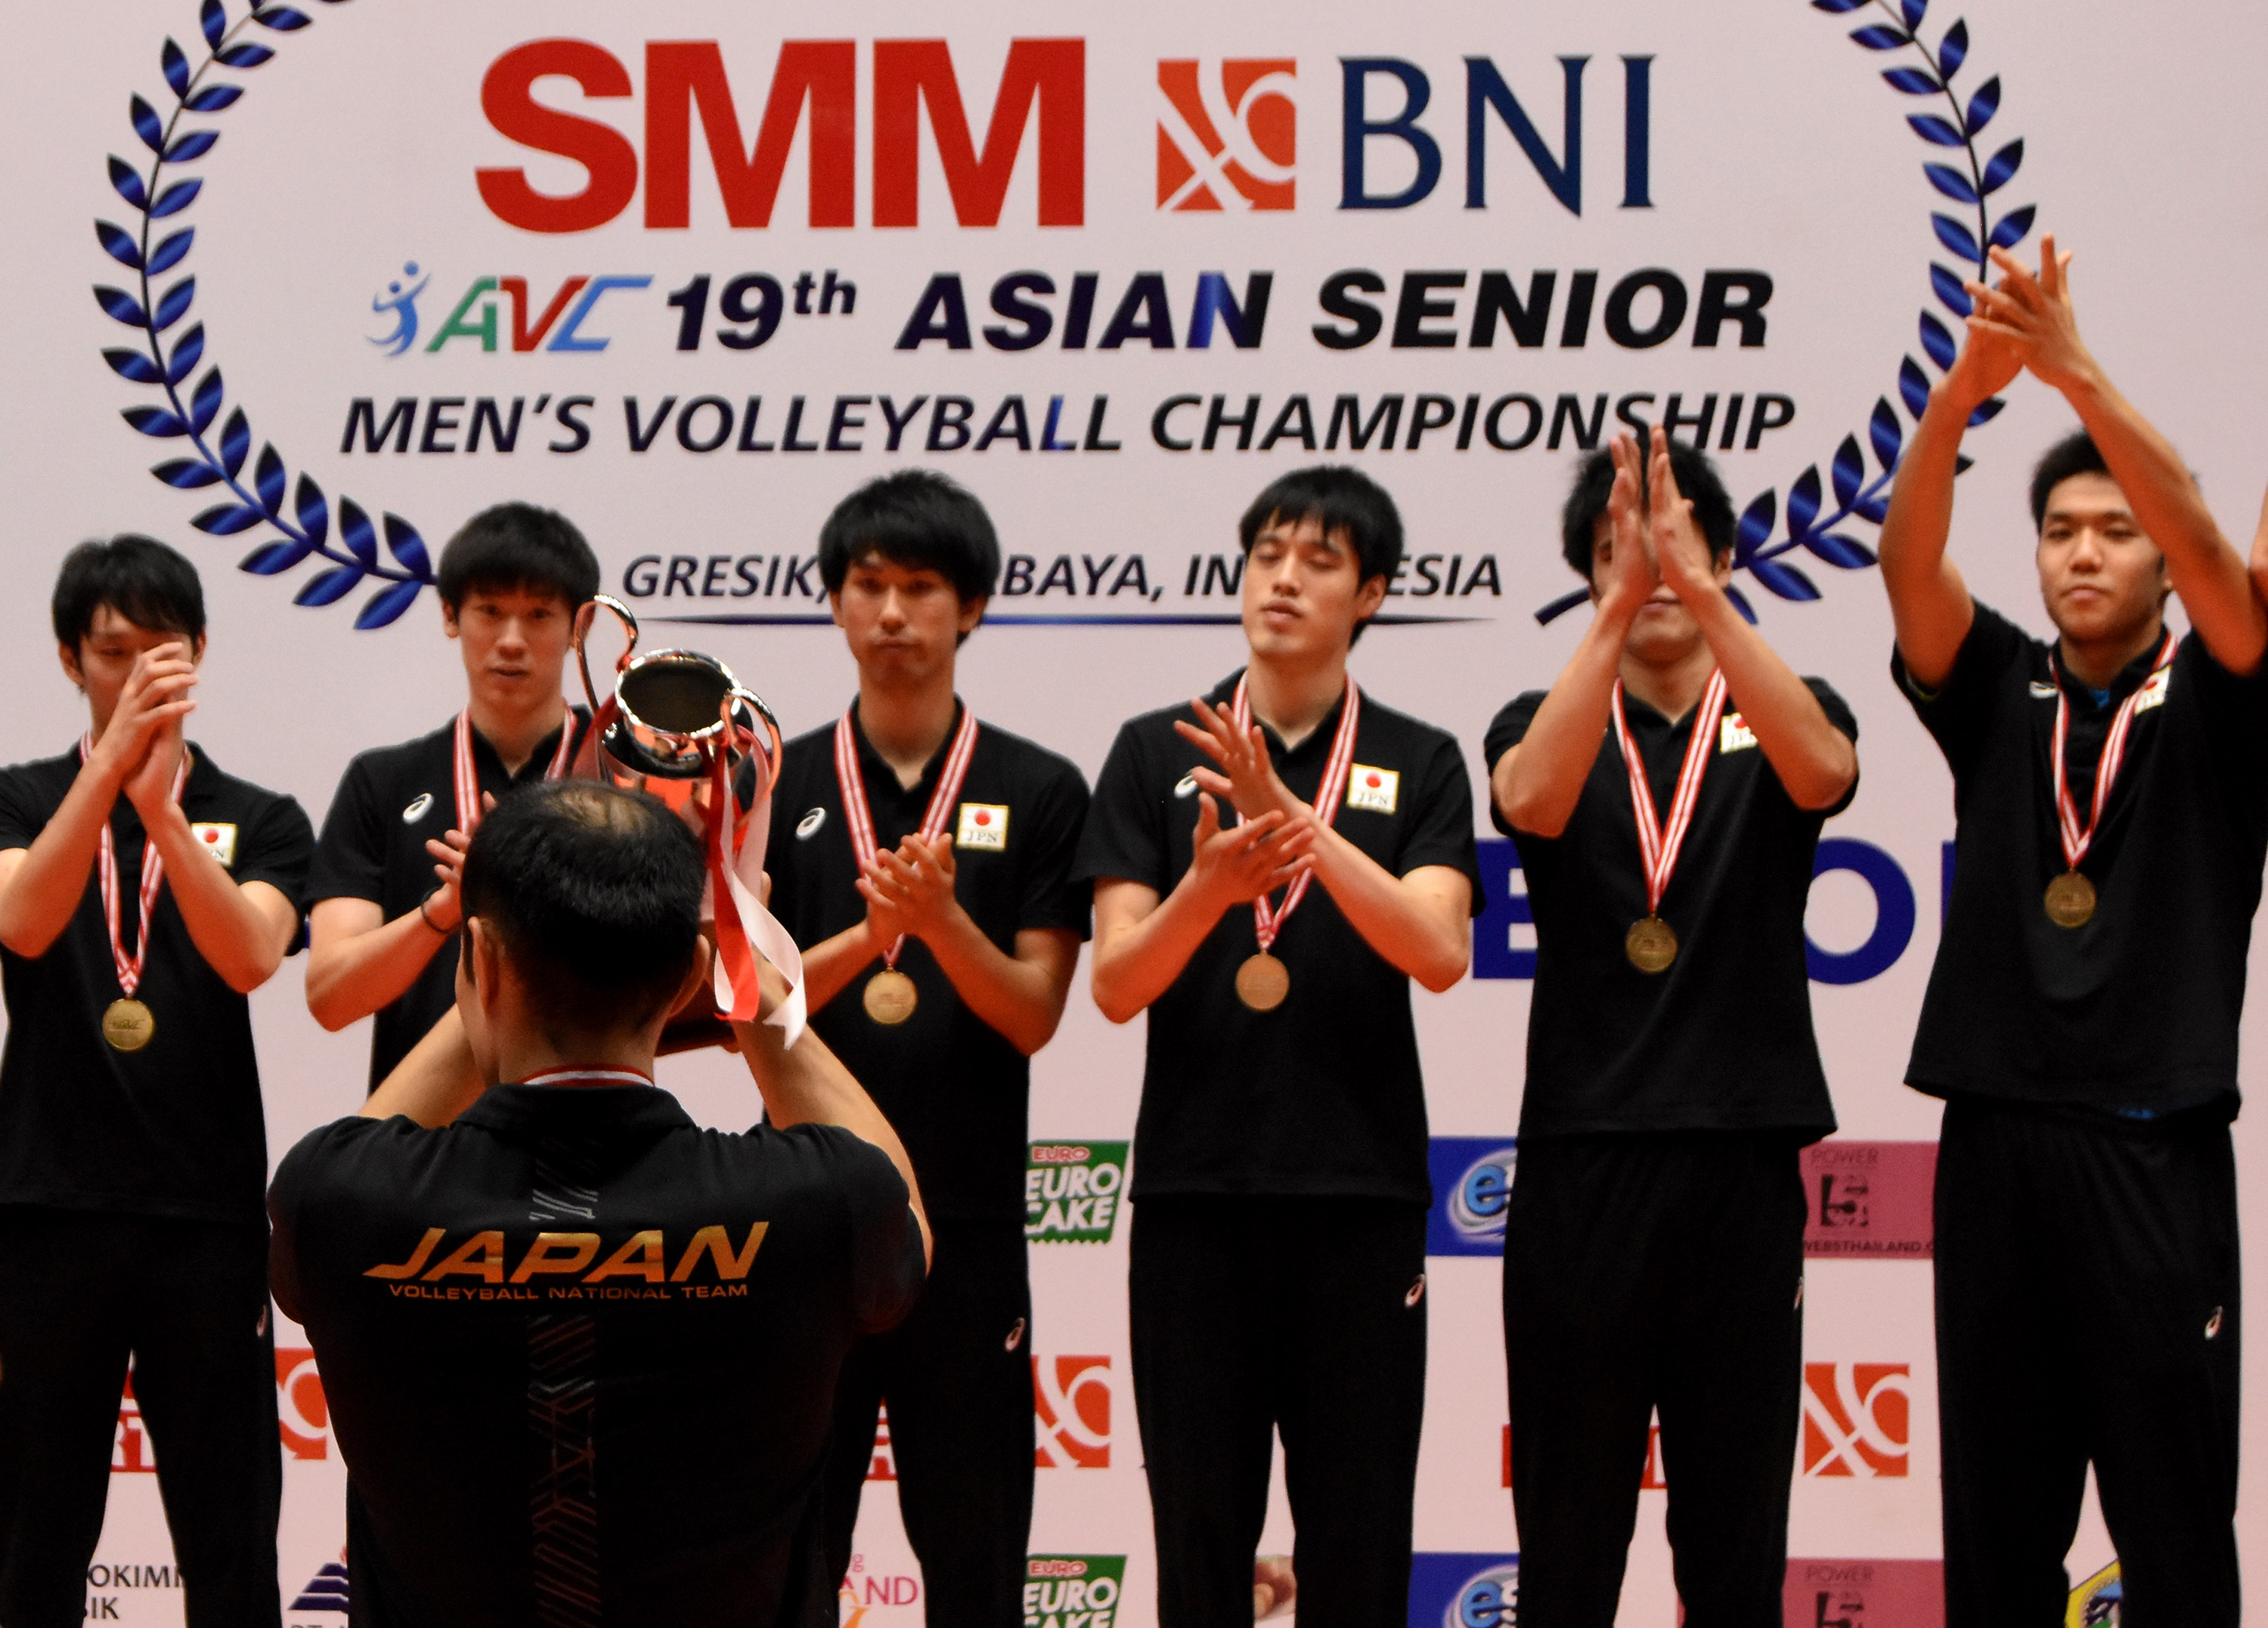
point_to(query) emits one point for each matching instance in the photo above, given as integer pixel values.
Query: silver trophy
(680, 727)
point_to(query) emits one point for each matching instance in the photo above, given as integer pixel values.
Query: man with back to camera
(1278, 1245)
(922, 862)
(2110, 798)
(579, 1351)
(386, 901)
(143, 894)
(1653, 1243)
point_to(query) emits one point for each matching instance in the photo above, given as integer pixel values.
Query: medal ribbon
(2077, 838)
(859, 817)
(468, 781)
(1268, 919)
(153, 877)
(1659, 843)
(596, 1076)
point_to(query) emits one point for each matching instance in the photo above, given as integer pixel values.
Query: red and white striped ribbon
(2078, 839)
(1659, 842)
(1268, 919)
(859, 817)
(153, 877)
(469, 779)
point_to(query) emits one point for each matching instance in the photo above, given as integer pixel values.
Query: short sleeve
(351, 858)
(308, 1168)
(1507, 731)
(1838, 713)
(1125, 833)
(1958, 714)
(22, 815)
(1440, 828)
(886, 1271)
(1050, 894)
(278, 849)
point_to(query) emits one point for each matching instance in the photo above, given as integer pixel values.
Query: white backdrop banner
(688, 273)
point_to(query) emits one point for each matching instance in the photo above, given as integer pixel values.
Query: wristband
(428, 921)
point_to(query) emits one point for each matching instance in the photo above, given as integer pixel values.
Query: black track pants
(1303, 1314)
(79, 1292)
(1645, 1272)
(2087, 1310)
(957, 1377)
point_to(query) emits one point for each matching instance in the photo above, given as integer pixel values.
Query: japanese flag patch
(983, 826)
(220, 842)
(1735, 735)
(1374, 789)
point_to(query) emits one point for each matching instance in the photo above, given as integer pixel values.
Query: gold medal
(1263, 982)
(1650, 944)
(128, 1025)
(891, 997)
(2071, 901)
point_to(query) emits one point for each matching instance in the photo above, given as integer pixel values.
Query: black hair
(2076, 454)
(1697, 482)
(517, 546)
(595, 894)
(917, 518)
(1337, 498)
(148, 584)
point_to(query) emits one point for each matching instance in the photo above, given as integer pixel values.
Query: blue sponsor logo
(1464, 1590)
(1472, 1188)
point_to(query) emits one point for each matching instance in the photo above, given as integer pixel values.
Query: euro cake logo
(1472, 1190)
(1464, 1591)
(1071, 1191)
(1074, 1590)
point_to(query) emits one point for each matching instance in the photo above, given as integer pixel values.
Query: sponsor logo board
(1869, 1200)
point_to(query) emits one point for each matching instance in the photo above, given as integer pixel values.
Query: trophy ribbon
(1263, 981)
(1651, 944)
(2071, 896)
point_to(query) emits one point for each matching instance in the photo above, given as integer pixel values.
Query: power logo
(1071, 1404)
(1228, 133)
(304, 1417)
(1856, 1417)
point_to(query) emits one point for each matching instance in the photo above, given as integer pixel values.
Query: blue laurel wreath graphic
(350, 555)
(1971, 186)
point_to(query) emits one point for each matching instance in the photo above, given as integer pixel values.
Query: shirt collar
(2130, 677)
(1317, 740)
(486, 757)
(616, 1111)
(877, 771)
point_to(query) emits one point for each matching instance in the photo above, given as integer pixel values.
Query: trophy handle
(765, 738)
(584, 618)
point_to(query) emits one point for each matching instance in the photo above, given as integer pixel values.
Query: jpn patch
(1376, 790)
(983, 826)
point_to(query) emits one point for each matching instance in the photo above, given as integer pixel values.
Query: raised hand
(2031, 314)
(1630, 577)
(1242, 773)
(911, 889)
(151, 707)
(1681, 553)
(443, 909)
(1237, 865)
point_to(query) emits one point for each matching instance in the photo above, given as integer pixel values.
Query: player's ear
(68, 655)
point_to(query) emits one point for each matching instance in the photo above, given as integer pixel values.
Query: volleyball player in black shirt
(383, 930)
(1278, 1249)
(2110, 794)
(143, 894)
(579, 1351)
(923, 861)
(1667, 795)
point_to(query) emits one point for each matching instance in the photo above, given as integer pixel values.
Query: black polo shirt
(575, 1334)
(954, 1087)
(391, 801)
(2137, 1011)
(1322, 1096)
(1722, 1039)
(174, 1129)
